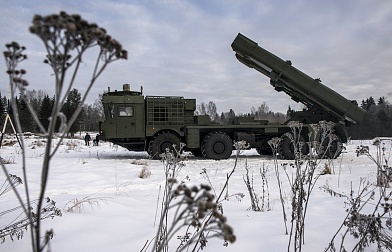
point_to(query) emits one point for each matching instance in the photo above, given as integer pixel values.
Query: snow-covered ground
(126, 212)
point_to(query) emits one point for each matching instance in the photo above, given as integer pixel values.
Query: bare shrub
(198, 213)
(21, 223)
(207, 178)
(66, 39)
(304, 174)
(254, 198)
(326, 170)
(172, 163)
(275, 143)
(39, 143)
(193, 208)
(72, 145)
(384, 170)
(369, 210)
(139, 162)
(9, 142)
(368, 220)
(265, 202)
(10, 183)
(123, 188)
(144, 172)
(78, 205)
(305, 177)
(8, 160)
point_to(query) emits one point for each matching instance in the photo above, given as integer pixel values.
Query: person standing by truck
(96, 140)
(87, 139)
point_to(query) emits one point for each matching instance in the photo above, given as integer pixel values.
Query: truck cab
(151, 123)
(124, 118)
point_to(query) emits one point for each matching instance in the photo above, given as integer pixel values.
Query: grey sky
(182, 48)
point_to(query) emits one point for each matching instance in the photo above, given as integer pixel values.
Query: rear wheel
(287, 148)
(217, 145)
(161, 142)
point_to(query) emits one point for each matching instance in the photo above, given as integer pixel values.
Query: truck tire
(161, 142)
(286, 147)
(217, 145)
(333, 150)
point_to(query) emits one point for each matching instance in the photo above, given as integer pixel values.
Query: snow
(124, 218)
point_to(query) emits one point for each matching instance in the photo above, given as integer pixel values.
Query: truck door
(130, 121)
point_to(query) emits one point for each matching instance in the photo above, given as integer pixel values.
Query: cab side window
(124, 110)
(111, 110)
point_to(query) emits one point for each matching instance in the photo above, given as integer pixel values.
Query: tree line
(376, 123)
(88, 119)
(262, 112)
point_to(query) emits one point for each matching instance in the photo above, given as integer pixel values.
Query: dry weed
(78, 205)
(8, 160)
(144, 172)
(139, 162)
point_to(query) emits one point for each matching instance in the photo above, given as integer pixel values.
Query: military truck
(155, 123)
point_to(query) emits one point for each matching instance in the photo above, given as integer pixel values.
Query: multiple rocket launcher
(299, 86)
(154, 123)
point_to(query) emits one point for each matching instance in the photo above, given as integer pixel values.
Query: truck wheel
(217, 145)
(161, 142)
(331, 149)
(286, 147)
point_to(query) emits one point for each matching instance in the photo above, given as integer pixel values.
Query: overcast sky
(182, 48)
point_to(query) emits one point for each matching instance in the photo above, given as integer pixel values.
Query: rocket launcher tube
(295, 83)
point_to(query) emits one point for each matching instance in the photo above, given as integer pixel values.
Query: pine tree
(382, 101)
(2, 110)
(69, 108)
(25, 117)
(289, 112)
(222, 118)
(231, 113)
(368, 103)
(45, 111)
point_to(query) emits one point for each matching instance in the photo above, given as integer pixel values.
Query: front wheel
(161, 142)
(217, 145)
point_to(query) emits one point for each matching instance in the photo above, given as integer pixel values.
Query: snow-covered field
(126, 212)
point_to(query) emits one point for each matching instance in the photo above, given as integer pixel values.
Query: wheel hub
(166, 145)
(219, 147)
